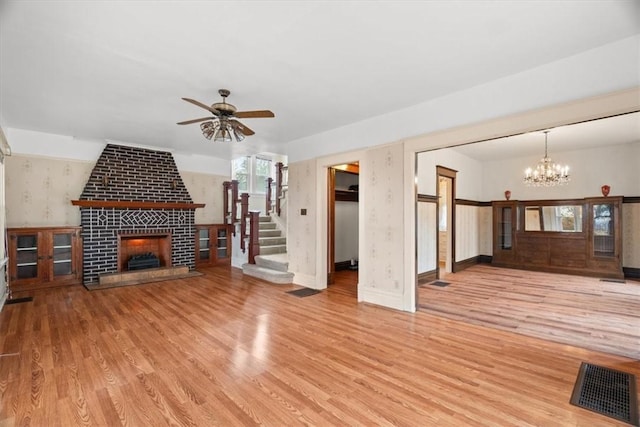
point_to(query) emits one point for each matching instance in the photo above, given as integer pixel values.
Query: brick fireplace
(134, 203)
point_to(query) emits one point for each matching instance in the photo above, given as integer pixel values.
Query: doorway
(445, 221)
(342, 227)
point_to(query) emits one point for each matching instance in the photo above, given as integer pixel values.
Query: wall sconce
(105, 180)
(174, 184)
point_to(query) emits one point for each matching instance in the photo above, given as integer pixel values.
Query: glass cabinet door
(603, 230)
(27, 256)
(203, 244)
(505, 227)
(62, 254)
(222, 243)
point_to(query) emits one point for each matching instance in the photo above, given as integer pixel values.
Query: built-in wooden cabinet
(213, 244)
(44, 257)
(576, 236)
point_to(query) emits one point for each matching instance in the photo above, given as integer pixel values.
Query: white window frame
(256, 184)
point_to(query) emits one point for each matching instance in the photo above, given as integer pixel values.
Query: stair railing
(254, 234)
(268, 196)
(282, 181)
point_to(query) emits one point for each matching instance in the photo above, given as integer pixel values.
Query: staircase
(272, 264)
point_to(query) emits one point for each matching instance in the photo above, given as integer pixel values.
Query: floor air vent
(607, 392)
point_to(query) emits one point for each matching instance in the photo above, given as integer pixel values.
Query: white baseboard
(306, 280)
(380, 297)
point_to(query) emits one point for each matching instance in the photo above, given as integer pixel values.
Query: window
(262, 172)
(251, 173)
(240, 172)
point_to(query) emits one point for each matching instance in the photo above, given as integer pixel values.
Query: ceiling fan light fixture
(238, 134)
(208, 129)
(223, 132)
(224, 126)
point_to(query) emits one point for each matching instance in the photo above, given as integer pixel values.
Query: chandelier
(221, 130)
(546, 173)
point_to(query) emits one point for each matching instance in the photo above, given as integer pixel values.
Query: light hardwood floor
(581, 311)
(221, 349)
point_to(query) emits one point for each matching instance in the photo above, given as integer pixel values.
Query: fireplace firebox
(143, 261)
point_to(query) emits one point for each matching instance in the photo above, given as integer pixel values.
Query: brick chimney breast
(136, 175)
(131, 174)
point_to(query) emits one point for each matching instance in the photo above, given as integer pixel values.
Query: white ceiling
(116, 70)
(616, 130)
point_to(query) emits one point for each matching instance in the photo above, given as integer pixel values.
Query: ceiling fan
(224, 121)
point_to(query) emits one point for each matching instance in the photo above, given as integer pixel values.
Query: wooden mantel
(123, 204)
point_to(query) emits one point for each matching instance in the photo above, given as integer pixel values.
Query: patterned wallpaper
(381, 182)
(39, 191)
(631, 235)
(301, 229)
(206, 189)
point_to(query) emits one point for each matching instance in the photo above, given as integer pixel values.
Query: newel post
(279, 167)
(244, 213)
(234, 201)
(254, 234)
(225, 204)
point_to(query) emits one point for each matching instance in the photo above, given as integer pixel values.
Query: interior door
(445, 222)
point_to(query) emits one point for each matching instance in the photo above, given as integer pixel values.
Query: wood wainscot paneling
(427, 276)
(466, 263)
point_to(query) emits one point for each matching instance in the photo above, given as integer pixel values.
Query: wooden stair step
(268, 274)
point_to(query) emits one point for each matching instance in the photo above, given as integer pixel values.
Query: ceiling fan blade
(188, 122)
(253, 114)
(241, 127)
(201, 105)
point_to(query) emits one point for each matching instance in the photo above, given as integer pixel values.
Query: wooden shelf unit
(213, 244)
(44, 257)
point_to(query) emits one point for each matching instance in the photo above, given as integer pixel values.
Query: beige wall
(382, 261)
(301, 229)
(631, 235)
(467, 232)
(206, 189)
(39, 191)
(3, 265)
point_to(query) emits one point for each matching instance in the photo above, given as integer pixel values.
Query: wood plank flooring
(580, 311)
(223, 349)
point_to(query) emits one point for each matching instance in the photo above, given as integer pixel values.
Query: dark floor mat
(304, 292)
(18, 300)
(439, 283)
(613, 280)
(607, 392)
